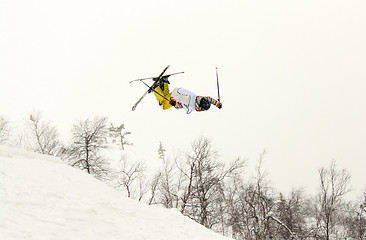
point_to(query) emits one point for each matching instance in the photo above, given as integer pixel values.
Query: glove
(172, 102)
(220, 105)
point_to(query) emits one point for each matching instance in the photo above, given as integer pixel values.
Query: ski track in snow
(43, 198)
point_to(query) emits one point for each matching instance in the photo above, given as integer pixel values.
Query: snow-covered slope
(43, 198)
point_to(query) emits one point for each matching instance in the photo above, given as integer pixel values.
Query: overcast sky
(292, 75)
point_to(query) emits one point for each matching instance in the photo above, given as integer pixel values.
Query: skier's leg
(163, 96)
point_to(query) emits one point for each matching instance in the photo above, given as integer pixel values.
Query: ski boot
(158, 82)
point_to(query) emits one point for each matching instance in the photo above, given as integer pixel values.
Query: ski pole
(218, 88)
(155, 91)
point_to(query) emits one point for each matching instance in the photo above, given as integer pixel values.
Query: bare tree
(119, 135)
(44, 135)
(205, 178)
(187, 171)
(169, 181)
(89, 138)
(167, 189)
(231, 197)
(154, 187)
(292, 212)
(250, 206)
(4, 130)
(261, 202)
(334, 184)
(130, 178)
(354, 219)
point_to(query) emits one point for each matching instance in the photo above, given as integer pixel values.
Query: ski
(134, 106)
(154, 78)
(150, 88)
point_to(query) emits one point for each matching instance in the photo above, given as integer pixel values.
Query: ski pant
(163, 96)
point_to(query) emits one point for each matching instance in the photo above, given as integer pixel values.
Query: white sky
(292, 75)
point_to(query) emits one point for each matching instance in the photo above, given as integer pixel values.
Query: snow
(41, 197)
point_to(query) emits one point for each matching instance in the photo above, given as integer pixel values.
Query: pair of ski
(156, 83)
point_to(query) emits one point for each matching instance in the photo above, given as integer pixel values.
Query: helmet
(205, 104)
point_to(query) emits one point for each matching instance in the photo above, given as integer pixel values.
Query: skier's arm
(215, 102)
(178, 105)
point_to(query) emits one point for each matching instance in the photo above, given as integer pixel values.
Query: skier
(182, 98)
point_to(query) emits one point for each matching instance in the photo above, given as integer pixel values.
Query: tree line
(214, 192)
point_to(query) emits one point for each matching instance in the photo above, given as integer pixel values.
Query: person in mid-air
(182, 98)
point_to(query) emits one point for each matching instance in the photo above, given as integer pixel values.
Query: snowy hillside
(43, 198)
